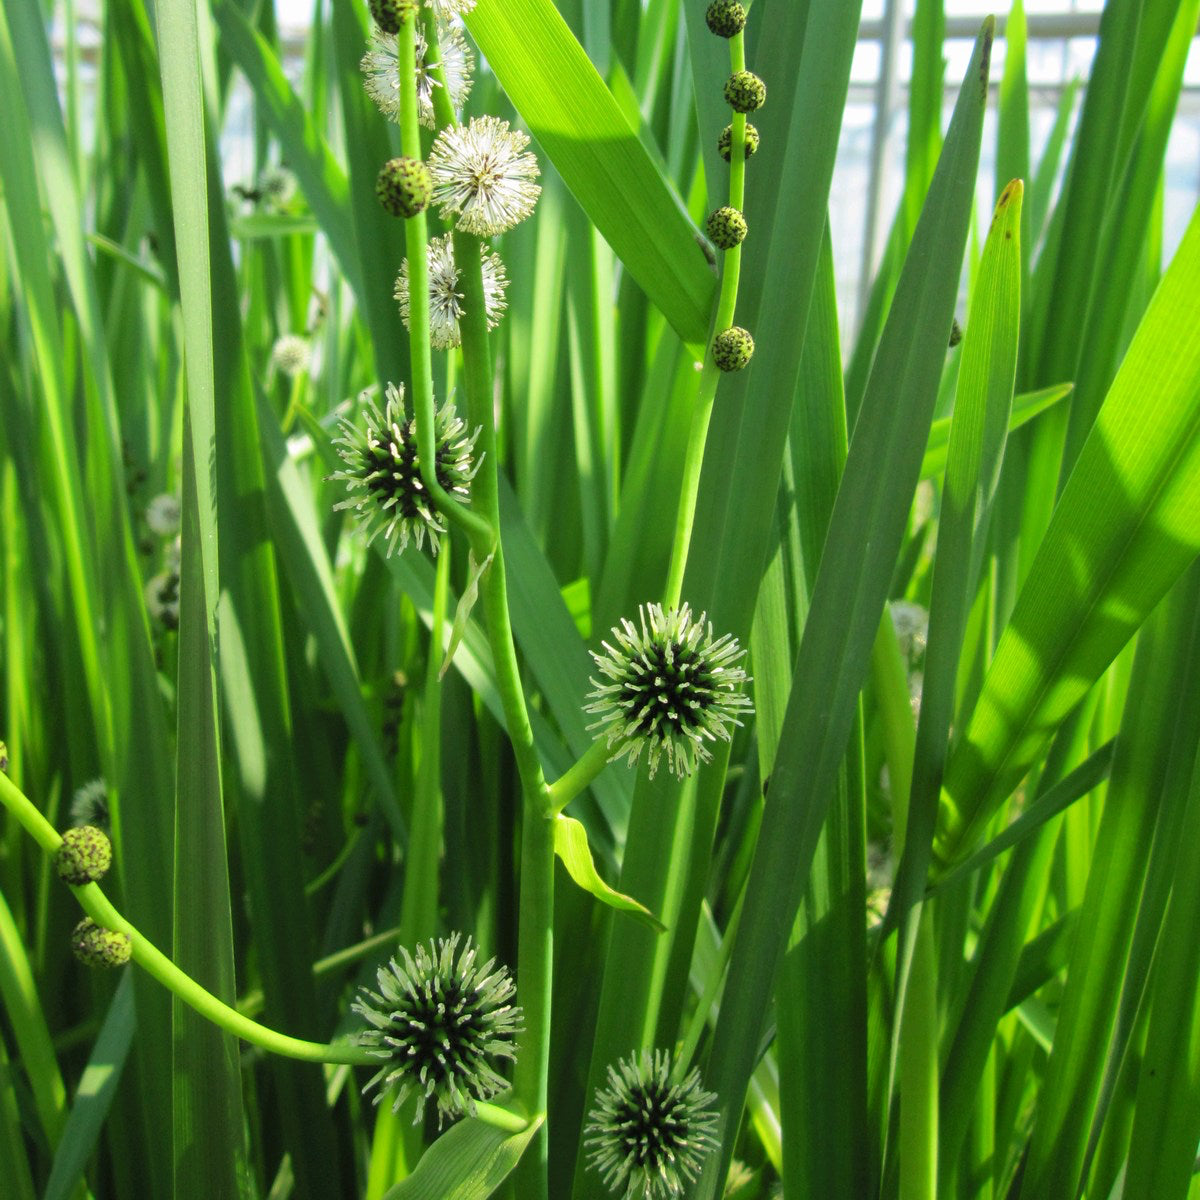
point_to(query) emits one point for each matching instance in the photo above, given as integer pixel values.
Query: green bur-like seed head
(733, 348)
(648, 1136)
(726, 228)
(725, 18)
(391, 14)
(84, 855)
(744, 91)
(725, 142)
(404, 187)
(440, 1026)
(669, 687)
(96, 946)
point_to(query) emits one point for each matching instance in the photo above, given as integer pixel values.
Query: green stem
(152, 960)
(577, 777)
(536, 927)
(723, 319)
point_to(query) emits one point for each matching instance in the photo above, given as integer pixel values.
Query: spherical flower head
(726, 228)
(733, 348)
(956, 332)
(83, 856)
(383, 471)
(381, 73)
(164, 514)
(291, 354)
(96, 946)
(483, 175)
(725, 18)
(668, 686)
(725, 142)
(89, 805)
(445, 300)
(391, 14)
(647, 1136)
(744, 91)
(404, 186)
(440, 1027)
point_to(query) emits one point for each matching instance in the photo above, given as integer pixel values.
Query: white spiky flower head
(647, 1136)
(381, 72)
(445, 300)
(383, 472)
(291, 354)
(668, 686)
(483, 174)
(164, 514)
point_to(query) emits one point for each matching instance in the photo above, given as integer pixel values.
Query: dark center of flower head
(391, 470)
(668, 682)
(442, 1031)
(653, 1123)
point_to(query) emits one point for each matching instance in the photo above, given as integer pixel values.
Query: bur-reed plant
(518, 714)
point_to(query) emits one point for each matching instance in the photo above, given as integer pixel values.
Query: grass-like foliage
(500, 697)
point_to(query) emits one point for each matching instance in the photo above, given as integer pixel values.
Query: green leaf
(571, 846)
(466, 602)
(94, 1095)
(1024, 408)
(871, 511)
(468, 1162)
(561, 97)
(1126, 527)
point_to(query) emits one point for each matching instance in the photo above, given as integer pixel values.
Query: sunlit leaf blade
(1126, 527)
(571, 846)
(1024, 408)
(574, 117)
(94, 1095)
(468, 1162)
(865, 530)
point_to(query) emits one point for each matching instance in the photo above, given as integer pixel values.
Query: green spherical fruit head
(84, 855)
(96, 946)
(391, 14)
(744, 91)
(404, 186)
(725, 18)
(725, 142)
(732, 348)
(726, 228)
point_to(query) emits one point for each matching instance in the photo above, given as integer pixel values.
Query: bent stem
(152, 960)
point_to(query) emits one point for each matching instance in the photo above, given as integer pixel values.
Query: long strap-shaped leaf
(864, 537)
(568, 108)
(1126, 527)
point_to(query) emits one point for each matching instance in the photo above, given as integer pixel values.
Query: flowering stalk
(711, 373)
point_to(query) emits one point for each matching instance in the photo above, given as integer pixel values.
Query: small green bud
(732, 348)
(404, 187)
(391, 14)
(96, 946)
(744, 91)
(725, 141)
(726, 228)
(84, 855)
(955, 332)
(725, 18)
